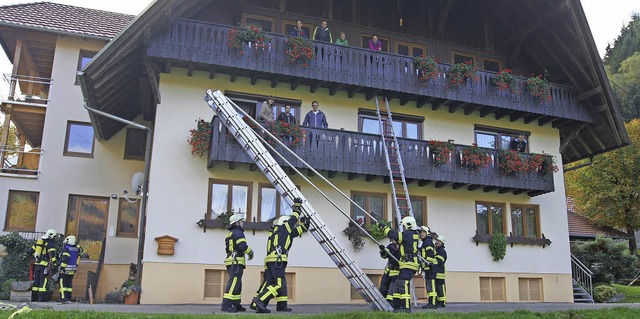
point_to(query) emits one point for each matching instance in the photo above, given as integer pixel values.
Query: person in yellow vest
(391, 270)
(441, 289)
(266, 277)
(236, 247)
(429, 261)
(69, 260)
(44, 254)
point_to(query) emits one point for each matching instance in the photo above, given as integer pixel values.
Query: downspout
(145, 187)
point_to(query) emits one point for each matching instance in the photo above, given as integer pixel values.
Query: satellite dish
(137, 181)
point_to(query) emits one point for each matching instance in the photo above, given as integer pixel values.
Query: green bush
(15, 265)
(603, 293)
(609, 261)
(376, 232)
(5, 289)
(498, 246)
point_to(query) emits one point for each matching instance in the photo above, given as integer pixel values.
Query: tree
(626, 86)
(627, 43)
(609, 261)
(608, 191)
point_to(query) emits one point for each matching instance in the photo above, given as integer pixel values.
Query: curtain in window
(377, 207)
(285, 209)
(219, 198)
(516, 219)
(482, 219)
(239, 199)
(531, 220)
(268, 205)
(416, 204)
(358, 215)
(496, 219)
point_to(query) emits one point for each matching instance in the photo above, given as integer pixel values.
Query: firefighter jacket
(283, 236)
(428, 253)
(408, 240)
(236, 246)
(44, 252)
(441, 256)
(392, 268)
(70, 258)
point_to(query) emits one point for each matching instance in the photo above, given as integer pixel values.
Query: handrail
(582, 276)
(27, 88)
(17, 160)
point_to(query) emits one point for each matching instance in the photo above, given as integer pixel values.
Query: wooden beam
(152, 76)
(503, 190)
(352, 176)
(444, 16)
(189, 69)
(294, 84)
(351, 92)
(516, 116)
(502, 113)
(254, 78)
(440, 184)
(585, 95)
(529, 118)
(332, 174)
(455, 107)
(484, 111)
(253, 167)
(457, 185)
(569, 138)
(519, 191)
(314, 86)
(232, 78)
(167, 66)
(560, 122)
(310, 173)
(474, 187)
(584, 144)
(404, 100)
(334, 89)
(436, 106)
(233, 165)
(545, 120)
(212, 72)
(596, 137)
(423, 182)
(370, 178)
(487, 189)
(369, 95)
(274, 82)
(522, 35)
(468, 109)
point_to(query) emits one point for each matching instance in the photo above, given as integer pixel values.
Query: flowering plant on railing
(538, 86)
(475, 157)
(291, 135)
(505, 81)
(542, 163)
(441, 151)
(200, 137)
(299, 50)
(511, 162)
(427, 68)
(460, 72)
(242, 34)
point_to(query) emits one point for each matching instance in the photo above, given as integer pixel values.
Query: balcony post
(5, 133)
(14, 71)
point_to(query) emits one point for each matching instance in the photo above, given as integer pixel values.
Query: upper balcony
(360, 155)
(193, 45)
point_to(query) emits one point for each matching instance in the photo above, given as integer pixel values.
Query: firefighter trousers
(441, 290)
(402, 290)
(276, 286)
(233, 290)
(387, 285)
(40, 280)
(66, 286)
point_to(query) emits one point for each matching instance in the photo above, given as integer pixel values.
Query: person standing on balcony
(44, 253)
(298, 31)
(236, 248)
(322, 32)
(519, 143)
(375, 44)
(315, 117)
(342, 40)
(267, 113)
(287, 117)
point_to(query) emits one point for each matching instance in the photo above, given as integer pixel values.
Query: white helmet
(425, 229)
(50, 234)
(409, 223)
(70, 240)
(282, 220)
(441, 238)
(235, 218)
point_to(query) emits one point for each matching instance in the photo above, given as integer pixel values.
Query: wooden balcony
(200, 45)
(360, 155)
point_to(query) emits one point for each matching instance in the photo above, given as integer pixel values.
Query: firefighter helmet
(235, 218)
(50, 234)
(441, 238)
(409, 223)
(425, 229)
(70, 240)
(282, 219)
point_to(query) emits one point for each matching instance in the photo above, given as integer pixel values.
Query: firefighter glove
(297, 204)
(382, 226)
(382, 248)
(250, 254)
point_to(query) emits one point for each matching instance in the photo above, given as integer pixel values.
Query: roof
(581, 227)
(60, 18)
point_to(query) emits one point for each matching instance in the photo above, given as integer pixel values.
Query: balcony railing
(18, 161)
(206, 43)
(28, 89)
(360, 154)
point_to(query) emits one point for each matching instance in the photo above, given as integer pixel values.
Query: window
(375, 279)
(492, 289)
(252, 104)
(406, 126)
(135, 144)
(461, 57)
(79, 140)
(272, 205)
(525, 221)
(411, 49)
(497, 138)
(84, 59)
(365, 41)
(490, 218)
(288, 26)
(493, 65)
(22, 210)
(227, 196)
(265, 24)
(214, 282)
(419, 210)
(87, 220)
(373, 203)
(530, 289)
(127, 218)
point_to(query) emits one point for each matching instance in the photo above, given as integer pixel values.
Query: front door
(87, 220)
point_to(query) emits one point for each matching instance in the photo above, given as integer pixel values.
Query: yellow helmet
(282, 220)
(235, 218)
(409, 223)
(50, 234)
(70, 240)
(441, 238)
(425, 229)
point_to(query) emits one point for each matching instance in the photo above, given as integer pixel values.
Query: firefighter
(391, 270)
(44, 254)
(428, 264)
(267, 274)
(408, 241)
(287, 229)
(69, 260)
(441, 256)
(236, 248)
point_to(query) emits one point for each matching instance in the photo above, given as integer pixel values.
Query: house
(156, 70)
(581, 229)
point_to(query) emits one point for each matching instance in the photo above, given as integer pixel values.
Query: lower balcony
(360, 155)
(19, 162)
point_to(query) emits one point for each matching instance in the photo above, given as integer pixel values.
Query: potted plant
(130, 291)
(505, 81)
(511, 162)
(200, 137)
(460, 72)
(542, 163)
(475, 157)
(299, 51)
(440, 151)
(427, 68)
(252, 35)
(291, 134)
(356, 236)
(539, 87)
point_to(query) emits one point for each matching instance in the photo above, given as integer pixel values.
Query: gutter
(145, 187)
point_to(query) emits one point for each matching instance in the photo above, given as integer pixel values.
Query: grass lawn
(631, 293)
(617, 313)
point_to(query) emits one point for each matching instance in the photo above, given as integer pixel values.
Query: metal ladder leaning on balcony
(396, 171)
(281, 181)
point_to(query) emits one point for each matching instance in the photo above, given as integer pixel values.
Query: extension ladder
(283, 184)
